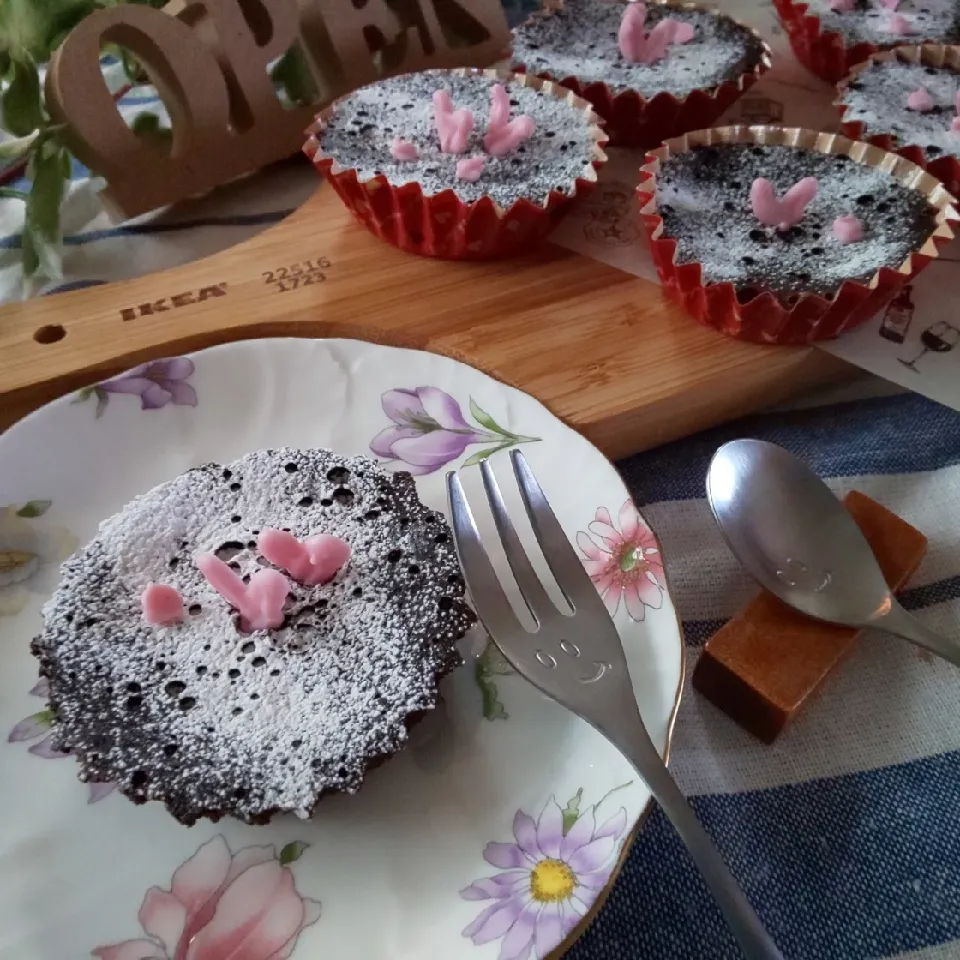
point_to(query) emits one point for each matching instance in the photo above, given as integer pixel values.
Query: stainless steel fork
(578, 661)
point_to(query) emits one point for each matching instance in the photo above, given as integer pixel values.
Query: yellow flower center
(552, 881)
(17, 565)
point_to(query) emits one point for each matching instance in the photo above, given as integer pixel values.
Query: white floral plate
(489, 838)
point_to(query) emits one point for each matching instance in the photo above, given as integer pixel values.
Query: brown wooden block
(763, 666)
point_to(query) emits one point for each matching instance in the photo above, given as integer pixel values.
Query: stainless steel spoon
(793, 536)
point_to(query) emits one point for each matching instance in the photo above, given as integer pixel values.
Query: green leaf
(482, 455)
(35, 508)
(485, 420)
(292, 852)
(492, 707)
(571, 812)
(17, 147)
(292, 73)
(21, 100)
(492, 662)
(41, 232)
(103, 398)
(82, 396)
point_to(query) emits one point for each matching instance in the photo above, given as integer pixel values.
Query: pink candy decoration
(848, 229)
(919, 100)
(638, 46)
(783, 214)
(898, 24)
(161, 604)
(403, 150)
(504, 134)
(260, 602)
(470, 169)
(890, 4)
(955, 122)
(315, 560)
(841, 6)
(453, 126)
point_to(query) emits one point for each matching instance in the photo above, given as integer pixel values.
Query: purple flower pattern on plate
(552, 871)
(223, 905)
(36, 728)
(158, 384)
(430, 431)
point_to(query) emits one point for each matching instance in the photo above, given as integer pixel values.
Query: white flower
(30, 553)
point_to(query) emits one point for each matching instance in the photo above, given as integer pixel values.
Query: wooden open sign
(209, 62)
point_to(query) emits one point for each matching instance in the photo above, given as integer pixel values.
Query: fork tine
(564, 563)
(531, 589)
(494, 608)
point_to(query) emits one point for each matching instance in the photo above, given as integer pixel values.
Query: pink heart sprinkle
(847, 229)
(316, 560)
(841, 6)
(785, 213)
(890, 4)
(403, 150)
(955, 125)
(898, 24)
(470, 169)
(500, 142)
(453, 126)
(161, 604)
(919, 100)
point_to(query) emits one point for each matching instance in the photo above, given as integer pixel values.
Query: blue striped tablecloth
(846, 833)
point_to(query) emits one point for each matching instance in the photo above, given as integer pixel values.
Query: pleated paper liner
(444, 226)
(825, 52)
(760, 316)
(945, 168)
(633, 121)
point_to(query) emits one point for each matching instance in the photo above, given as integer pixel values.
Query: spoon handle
(905, 625)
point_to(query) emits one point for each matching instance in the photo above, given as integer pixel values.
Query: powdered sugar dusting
(360, 132)
(211, 720)
(870, 22)
(704, 198)
(580, 40)
(878, 99)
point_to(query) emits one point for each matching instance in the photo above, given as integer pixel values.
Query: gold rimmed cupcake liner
(799, 318)
(635, 121)
(442, 225)
(823, 52)
(942, 56)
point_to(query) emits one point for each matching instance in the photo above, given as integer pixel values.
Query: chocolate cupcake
(908, 100)
(187, 668)
(651, 71)
(830, 37)
(787, 236)
(461, 164)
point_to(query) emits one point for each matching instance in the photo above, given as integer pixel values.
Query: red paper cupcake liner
(803, 318)
(444, 226)
(633, 121)
(946, 168)
(823, 52)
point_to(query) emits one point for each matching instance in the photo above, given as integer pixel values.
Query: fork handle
(754, 940)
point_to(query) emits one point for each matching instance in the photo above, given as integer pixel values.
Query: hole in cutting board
(49, 334)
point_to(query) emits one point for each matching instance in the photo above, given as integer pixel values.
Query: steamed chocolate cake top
(581, 40)
(877, 98)
(703, 196)
(211, 720)
(363, 125)
(869, 21)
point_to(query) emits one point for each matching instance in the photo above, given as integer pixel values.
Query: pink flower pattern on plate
(36, 727)
(552, 872)
(624, 562)
(223, 906)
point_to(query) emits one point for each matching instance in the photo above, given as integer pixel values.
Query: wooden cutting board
(602, 349)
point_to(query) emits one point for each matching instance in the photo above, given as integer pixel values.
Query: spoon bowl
(793, 536)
